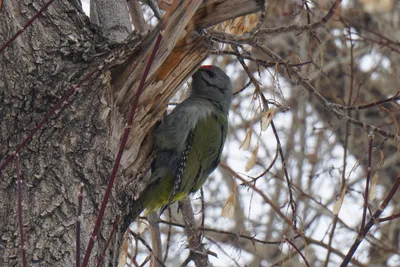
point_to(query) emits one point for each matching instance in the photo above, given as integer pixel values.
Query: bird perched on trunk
(188, 143)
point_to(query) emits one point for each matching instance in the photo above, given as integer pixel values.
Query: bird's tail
(136, 208)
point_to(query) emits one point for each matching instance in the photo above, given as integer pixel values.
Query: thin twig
(265, 171)
(261, 193)
(338, 252)
(168, 235)
(298, 251)
(367, 182)
(78, 226)
(246, 69)
(307, 27)
(61, 103)
(103, 254)
(121, 149)
(198, 253)
(155, 234)
(381, 40)
(388, 218)
(203, 210)
(21, 226)
(292, 202)
(264, 63)
(242, 89)
(392, 99)
(343, 187)
(370, 223)
(29, 23)
(207, 229)
(138, 237)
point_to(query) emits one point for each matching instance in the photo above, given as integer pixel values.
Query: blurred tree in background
(311, 160)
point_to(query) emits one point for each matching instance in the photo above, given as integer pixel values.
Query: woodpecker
(188, 143)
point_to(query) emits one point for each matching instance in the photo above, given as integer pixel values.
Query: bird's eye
(210, 73)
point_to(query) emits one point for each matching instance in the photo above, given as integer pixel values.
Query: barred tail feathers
(156, 195)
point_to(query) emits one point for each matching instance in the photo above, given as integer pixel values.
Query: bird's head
(212, 83)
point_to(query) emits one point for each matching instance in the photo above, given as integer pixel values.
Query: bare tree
(315, 112)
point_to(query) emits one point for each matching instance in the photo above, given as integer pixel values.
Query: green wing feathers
(209, 139)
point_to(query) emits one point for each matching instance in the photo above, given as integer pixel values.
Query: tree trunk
(42, 64)
(78, 144)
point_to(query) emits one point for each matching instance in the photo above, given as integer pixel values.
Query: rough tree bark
(78, 144)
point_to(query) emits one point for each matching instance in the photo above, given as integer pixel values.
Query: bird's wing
(209, 139)
(201, 155)
(188, 143)
(171, 136)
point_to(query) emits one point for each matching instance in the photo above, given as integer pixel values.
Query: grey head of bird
(212, 83)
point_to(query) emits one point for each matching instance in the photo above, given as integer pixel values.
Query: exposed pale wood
(180, 52)
(163, 79)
